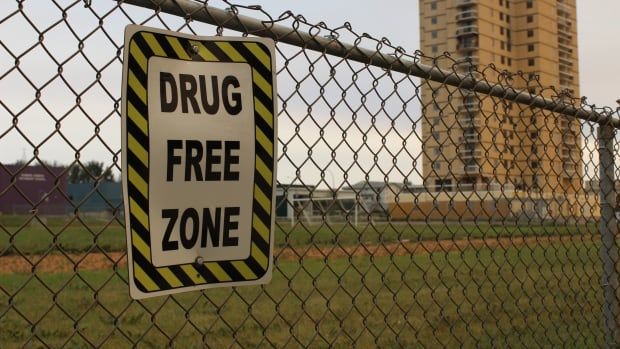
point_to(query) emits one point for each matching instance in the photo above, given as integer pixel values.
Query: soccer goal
(329, 209)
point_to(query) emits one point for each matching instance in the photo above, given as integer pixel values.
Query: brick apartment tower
(471, 139)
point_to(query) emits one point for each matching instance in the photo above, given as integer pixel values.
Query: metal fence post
(608, 229)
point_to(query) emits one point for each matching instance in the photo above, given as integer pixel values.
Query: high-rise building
(472, 140)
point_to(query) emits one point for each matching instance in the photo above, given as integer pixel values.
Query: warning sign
(198, 142)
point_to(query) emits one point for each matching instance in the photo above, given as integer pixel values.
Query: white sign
(203, 145)
(199, 158)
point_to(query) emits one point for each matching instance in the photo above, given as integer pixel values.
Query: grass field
(520, 296)
(57, 233)
(515, 297)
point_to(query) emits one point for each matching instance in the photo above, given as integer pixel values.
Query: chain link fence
(374, 247)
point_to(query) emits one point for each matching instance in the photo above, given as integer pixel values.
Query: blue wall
(107, 196)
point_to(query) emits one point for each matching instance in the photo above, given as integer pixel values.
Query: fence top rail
(398, 61)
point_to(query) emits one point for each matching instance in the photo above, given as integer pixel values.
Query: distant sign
(198, 143)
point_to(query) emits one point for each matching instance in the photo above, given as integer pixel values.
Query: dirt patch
(59, 262)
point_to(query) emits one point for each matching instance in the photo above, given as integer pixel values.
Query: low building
(496, 203)
(288, 196)
(103, 197)
(33, 189)
(377, 196)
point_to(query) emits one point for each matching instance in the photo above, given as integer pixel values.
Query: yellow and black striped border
(142, 45)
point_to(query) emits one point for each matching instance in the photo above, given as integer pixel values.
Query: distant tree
(90, 172)
(75, 173)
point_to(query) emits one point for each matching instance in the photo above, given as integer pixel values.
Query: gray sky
(599, 49)
(397, 20)
(598, 30)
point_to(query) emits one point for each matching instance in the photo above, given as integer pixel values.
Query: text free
(199, 155)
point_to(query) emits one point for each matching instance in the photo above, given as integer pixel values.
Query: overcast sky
(598, 29)
(597, 24)
(599, 49)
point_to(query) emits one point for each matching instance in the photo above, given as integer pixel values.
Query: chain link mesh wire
(370, 250)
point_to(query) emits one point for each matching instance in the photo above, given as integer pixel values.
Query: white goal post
(314, 209)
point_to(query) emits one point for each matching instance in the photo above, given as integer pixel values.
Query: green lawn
(39, 235)
(547, 296)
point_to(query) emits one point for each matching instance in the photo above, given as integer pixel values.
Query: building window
(433, 20)
(534, 164)
(509, 61)
(532, 90)
(434, 34)
(530, 19)
(507, 3)
(434, 48)
(531, 62)
(530, 47)
(535, 182)
(530, 33)
(509, 47)
(501, 2)
(534, 135)
(470, 100)
(503, 60)
(433, 5)
(436, 135)
(437, 165)
(443, 185)
(507, 18)
(502, 45)
(529, 4)
(501, 16)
